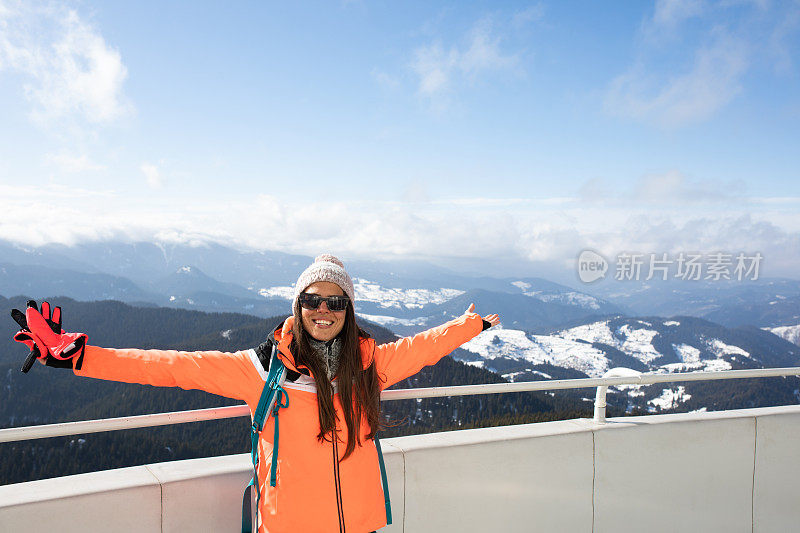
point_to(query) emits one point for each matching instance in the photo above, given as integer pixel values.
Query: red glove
(42, 333)
(61, 345)
(34, 344)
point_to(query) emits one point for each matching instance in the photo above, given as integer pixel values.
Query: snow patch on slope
(569, 298)
(538, 349)
(387, 321)
(594, 332)
(287, 293)
(634, 342)
(638, 343)
(720, 348)
(789, 333)
(691, 361)
(368, 291)
(669, 399)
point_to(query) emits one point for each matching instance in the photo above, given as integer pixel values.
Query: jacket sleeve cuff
(478, 323)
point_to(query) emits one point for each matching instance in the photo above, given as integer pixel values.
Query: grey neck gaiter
(329, 352)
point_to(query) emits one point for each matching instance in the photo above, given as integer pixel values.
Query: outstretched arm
(234, 375)
(405, 357)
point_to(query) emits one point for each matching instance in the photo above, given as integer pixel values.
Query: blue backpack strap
(247, 513)
(280, 393)
(273, 397)
(384, 482)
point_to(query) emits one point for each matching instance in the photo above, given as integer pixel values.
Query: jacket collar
(282, 335)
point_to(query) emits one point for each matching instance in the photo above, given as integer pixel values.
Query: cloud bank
(70, 70)
(513, 231)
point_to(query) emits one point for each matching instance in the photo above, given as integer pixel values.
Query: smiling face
(322, 323)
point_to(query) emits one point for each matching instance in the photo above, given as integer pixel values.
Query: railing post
(602, 390)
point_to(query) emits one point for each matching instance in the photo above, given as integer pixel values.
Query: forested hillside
(48, 395)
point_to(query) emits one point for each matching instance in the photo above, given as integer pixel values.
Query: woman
(327, 468)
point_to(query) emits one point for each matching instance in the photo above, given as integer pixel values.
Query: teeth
(323, 322)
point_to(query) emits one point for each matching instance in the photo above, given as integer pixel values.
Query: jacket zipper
(339, 507)
(337, 479)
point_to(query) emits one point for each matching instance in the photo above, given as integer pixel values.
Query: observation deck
(726, 471)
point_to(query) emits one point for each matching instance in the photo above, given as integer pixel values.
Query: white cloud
(152, 174)
(440, 69)
(693, 58)
(712, 82)
(532, 13)
(72, 164)
(434, 67)
(70, 71)
(780, 45)
(52, 194)
(671, 189)
(385, 80)
(670, 13)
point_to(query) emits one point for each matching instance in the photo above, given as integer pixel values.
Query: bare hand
(492, 319)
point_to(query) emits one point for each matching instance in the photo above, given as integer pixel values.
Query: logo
(591, 266)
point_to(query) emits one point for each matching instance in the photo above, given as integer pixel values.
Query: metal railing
(628, 377)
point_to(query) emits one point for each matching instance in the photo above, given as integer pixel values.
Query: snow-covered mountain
(651, 344)
(410, 310)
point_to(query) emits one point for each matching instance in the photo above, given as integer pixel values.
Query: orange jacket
(305, 497)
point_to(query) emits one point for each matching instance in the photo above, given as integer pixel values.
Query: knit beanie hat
(325, 268)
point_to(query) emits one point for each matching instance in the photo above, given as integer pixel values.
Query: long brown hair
(359, 389)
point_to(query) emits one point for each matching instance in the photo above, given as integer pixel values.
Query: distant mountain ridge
(38, 281)
(264, 281)
(732, 303)
(403, 295)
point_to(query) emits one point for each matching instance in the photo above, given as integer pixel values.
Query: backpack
(273, 398)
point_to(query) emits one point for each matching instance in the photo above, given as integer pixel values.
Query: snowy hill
(593, 348)
(680, 344)
(790, 333)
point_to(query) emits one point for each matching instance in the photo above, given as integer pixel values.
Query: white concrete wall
(776, 495)
(690, 475)
(730, 471)
(127, 499)
(499, 479)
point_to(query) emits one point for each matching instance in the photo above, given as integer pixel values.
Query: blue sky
(454, 132)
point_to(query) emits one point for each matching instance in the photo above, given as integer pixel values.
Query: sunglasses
(313, 301)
